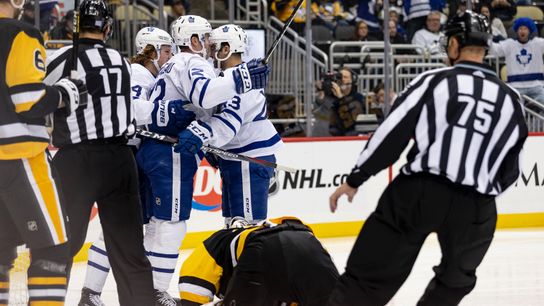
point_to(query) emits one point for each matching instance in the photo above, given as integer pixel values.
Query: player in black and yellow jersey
(30, 208)
(276, 262)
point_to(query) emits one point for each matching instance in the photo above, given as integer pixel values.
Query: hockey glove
(242, 78)
(259, 73)
(73, 93)
(190, 140)
(169, 117)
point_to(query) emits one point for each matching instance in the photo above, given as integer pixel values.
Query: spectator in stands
(429, 36)
(378, 105)
(394, 36)
(497, 27)
(523, 57)
(367, 11)
(282, 9)
(362, 32)
(505, 10)
(394, 15)
(46, 8)
(329, 13)
(339, 91)
(416, 12)
(179, 8)
(63, 31)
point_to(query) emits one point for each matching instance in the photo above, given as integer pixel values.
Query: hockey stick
(217, 151)
(282, 33)
(75, 40)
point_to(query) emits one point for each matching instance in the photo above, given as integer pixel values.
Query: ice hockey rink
(512, 272)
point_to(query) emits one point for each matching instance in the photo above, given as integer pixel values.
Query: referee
(94, 162)
(468, 129)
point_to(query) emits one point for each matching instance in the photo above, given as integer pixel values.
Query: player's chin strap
(17, 6)
(202, 52)
(219, 60)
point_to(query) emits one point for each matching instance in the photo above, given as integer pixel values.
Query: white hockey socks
(98, 266)
(162, 240)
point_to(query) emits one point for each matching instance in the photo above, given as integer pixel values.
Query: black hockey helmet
(470, 29)
(94, 15)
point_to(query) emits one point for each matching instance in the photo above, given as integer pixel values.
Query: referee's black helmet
(94, 15)
(470, 29)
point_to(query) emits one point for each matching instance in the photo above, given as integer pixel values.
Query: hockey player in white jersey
(187, 77)
(241, 126)
(153, 47)
(523, 57)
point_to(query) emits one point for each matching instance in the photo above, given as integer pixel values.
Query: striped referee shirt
(107, 76)
(467, 124)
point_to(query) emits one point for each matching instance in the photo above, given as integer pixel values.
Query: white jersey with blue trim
(142, 81)
(241, 125)
(190, 77)
(524, 65)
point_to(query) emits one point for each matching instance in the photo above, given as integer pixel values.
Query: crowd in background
(416, 22)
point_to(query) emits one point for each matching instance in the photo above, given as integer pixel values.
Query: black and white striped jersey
(467, 126)
(107, 76)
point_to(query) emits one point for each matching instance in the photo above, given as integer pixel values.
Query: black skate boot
(90, 298)
(162, 298)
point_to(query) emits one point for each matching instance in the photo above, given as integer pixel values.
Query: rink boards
(323, 164)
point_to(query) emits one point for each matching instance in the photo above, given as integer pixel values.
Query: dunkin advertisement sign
(207, 188)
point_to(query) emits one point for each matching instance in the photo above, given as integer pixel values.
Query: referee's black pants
(106, 173)
(285, 266)
(409, 210)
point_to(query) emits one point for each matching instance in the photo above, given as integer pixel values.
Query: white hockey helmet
(232, 34)
(152, 36)
(155, 37)
(186, 26)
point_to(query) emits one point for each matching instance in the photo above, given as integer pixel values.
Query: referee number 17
(107, 74)
(483, 114)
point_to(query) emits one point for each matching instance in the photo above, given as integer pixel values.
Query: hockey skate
(162, 298)
(90, 298)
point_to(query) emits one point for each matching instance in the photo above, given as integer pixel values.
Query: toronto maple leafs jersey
(241, 125)
(189, 77)
(524, 65)
(142, 81)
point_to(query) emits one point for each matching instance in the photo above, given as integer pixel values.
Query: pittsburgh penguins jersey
(24, 99)
(208, 270)
(524, 65)
(242, 125)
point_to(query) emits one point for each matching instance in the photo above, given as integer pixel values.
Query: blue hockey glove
(188, 143)
(259, 73)
(191, 139)
(169, 117)
(242, 78)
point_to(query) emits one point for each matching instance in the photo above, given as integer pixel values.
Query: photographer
(339, 103)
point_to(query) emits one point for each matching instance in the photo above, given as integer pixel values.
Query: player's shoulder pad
(12, 26)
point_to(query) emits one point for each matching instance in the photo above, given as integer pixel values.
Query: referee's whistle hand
(343, 189)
